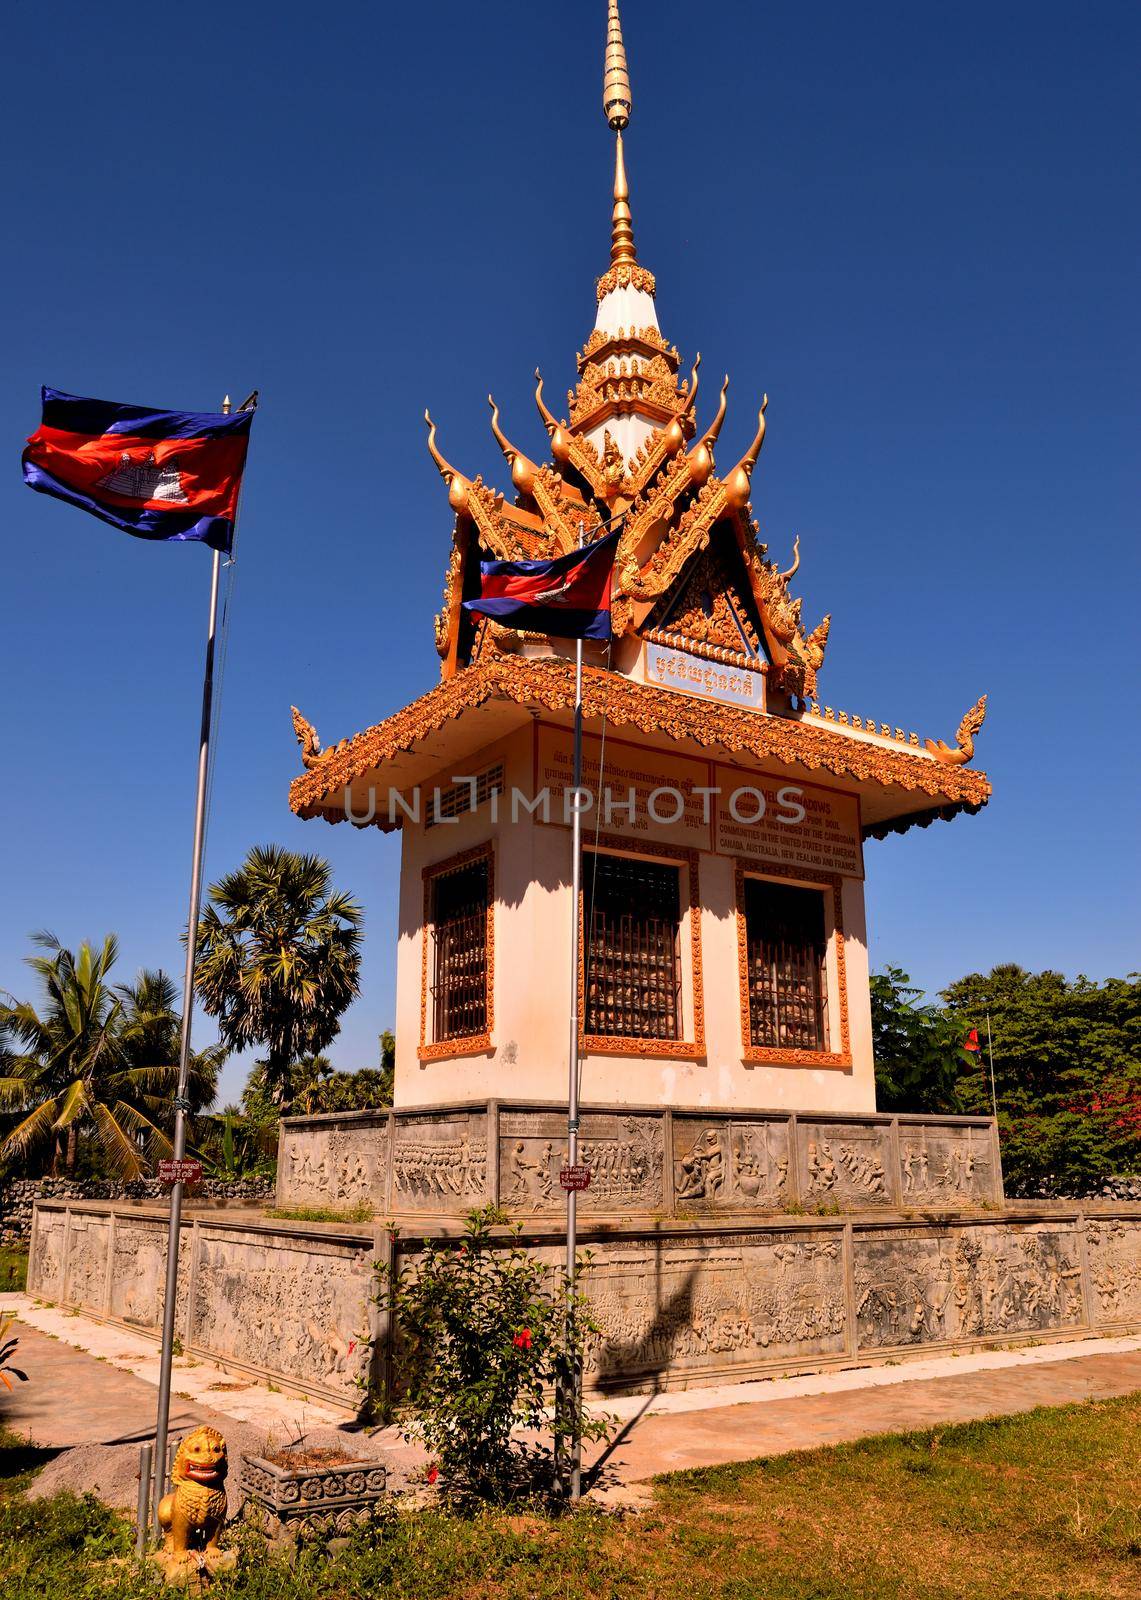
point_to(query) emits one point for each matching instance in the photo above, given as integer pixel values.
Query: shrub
(486, 1333)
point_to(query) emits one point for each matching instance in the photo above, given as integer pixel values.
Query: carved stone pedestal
(292, 1505)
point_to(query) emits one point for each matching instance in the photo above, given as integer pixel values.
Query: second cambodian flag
(171, 475)
(568, 597)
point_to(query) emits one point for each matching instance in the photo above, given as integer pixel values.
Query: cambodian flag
(156, 474)
(568, 597)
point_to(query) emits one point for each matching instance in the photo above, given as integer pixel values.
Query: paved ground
(676, 1439)
(90, 1399)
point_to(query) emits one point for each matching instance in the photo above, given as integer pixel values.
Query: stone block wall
(644, 1162)
(18, 1196)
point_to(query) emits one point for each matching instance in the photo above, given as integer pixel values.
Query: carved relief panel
(723, 1164)
(335, 1164)
(736, 1301)
(945, 1165)
(46, 1278)
(138, 1273)
(292, 1307)
(844, 1164)
(965, 1283)
(87, 1261)
(624, 1154)
(439, 1162)
(1113, 1249)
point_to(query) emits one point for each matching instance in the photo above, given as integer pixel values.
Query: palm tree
(94, 1058)
(278, 959)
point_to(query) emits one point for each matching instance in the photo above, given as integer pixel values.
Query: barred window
(633, 959)
(785, 951)
(459, 975)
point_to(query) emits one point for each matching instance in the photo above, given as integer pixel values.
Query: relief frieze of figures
(299, 1313)
(969, 1284)
(438, 1163)
(335, 1165)
(624, 1155)
(842, 1165)
(951, 1167)
(731, 1164)
(740, 1304)
(1114, 1249)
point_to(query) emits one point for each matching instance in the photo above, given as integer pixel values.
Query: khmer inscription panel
(439, 1162)
(723, 1164)
(624, 1154)
(953, 1284)
(846, 1165)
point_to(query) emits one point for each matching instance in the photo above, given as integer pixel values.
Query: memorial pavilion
(724, 948)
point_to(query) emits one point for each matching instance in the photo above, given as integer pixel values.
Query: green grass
(1039, 1507)
(358, 1213)
(13, 1267)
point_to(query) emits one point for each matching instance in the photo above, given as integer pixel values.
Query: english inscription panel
(959, 1284)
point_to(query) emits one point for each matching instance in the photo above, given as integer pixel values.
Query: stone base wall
(18, 1196)
(645, 1163)
(680, 1302)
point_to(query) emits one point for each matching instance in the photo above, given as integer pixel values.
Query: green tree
(1067, 1067)
(918, 1048)
(278, 960)
(95, 1059)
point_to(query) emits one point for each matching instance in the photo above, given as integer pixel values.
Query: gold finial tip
(616, 99)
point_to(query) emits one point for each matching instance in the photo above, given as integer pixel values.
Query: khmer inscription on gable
(624, 1154)
(693, 1306)
(966, 1283)
(845, 1164)
(335, 1163)
(439, 1162)
(294, 1307)
(723, 1164)
(1113, 1248)
(945, 1164)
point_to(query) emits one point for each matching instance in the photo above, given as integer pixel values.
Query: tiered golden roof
(671, 503)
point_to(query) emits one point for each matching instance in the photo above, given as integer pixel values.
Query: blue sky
(915, 227)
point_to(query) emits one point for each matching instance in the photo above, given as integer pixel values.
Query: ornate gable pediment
(710, 604)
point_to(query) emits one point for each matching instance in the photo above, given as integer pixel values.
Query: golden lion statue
(192, 1514)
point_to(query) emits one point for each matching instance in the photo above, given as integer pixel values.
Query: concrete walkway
(837, 1408)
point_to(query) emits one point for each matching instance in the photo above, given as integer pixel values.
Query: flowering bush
(485, 1335)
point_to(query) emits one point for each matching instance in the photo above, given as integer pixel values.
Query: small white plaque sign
(711, 680)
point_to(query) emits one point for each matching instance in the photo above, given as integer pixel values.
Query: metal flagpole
(990, 1058)
(572, 1097)
(181, 1103)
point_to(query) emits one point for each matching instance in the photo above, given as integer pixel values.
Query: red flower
(522, 1341)
(433, 1473)
(352, 1347)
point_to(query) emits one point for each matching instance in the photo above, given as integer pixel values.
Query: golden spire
(616, 106)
